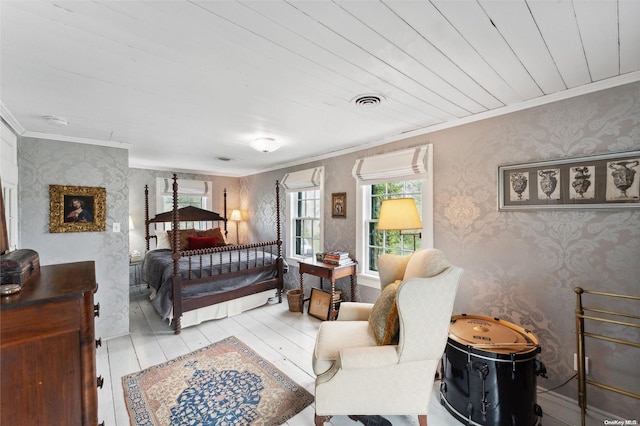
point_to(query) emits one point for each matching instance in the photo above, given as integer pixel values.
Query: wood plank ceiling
(183, 83)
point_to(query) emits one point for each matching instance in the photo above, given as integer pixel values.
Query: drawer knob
(96, 310)
(98, 342)
(100, 381)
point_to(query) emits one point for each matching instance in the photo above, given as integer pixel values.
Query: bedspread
(158, 273)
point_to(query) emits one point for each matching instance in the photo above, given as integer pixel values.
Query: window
(399, 174)
(306, 223)
(190, 193)
(394, 242)
(184, 201)
(305, 212)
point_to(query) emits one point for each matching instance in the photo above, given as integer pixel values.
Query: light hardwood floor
(282, 337)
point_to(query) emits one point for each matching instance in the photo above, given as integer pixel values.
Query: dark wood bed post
(177, 279)
(279, 239)
(225, 213)
(146, 215)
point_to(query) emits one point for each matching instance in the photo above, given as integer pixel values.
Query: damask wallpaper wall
(46, 162)
(519, 266)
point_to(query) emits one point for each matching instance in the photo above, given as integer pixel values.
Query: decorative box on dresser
(48, 349)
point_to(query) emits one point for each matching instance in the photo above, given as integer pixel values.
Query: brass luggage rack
(581, 334)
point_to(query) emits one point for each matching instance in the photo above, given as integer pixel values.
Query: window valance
(185, 187)
(406, 164)
(303, 180)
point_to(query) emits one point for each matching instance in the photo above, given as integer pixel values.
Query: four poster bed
(196, 276)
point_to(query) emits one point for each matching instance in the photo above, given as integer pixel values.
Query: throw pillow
(215, 232)
(183, 238)
(197, 243)
(207, 233)
(162, 240)
(384, 317)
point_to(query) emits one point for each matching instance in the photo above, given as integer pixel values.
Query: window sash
(306, 223)
(379, 242)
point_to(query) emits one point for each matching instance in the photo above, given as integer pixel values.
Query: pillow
(162, 240)
(384, 317)
(426, 263)
(183, 238)
(196, 243)
(207, 233)
(217, 233)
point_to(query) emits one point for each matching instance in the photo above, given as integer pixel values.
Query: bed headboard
(184, 214)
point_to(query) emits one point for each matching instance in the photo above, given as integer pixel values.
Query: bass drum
(489, 371)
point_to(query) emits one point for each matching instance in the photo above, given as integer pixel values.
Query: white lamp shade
(399, 214)
(235, 215)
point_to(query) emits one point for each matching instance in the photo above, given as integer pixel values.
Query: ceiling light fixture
(265, 144)
(369, 100)
(55, 121)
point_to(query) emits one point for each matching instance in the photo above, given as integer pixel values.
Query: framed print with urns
(77, 209)
(595, 182)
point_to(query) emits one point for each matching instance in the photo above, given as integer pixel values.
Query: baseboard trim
(567, 411)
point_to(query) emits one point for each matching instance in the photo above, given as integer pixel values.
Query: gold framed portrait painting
(77, 209)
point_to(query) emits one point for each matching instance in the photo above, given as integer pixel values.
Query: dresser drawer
(27, 323)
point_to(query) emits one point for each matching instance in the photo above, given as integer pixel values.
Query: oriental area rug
(225, 383)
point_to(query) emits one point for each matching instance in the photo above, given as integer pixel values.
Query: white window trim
(294, 182)
(372, 279)
(10, 178)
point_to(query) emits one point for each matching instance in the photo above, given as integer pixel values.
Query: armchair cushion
(384, 316)
(354, 311)
(336, 335)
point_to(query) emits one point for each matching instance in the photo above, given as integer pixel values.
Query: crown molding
(73, 139)
(11, 120)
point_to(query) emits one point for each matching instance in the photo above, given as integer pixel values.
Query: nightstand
(331, 273)
(135, 271)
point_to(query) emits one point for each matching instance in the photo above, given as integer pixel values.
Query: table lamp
(400, 214)
(236, 217)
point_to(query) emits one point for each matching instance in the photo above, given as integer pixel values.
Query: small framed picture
(320, 303)
(77, 209)
(339, 204)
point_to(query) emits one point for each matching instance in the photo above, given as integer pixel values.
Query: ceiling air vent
(370, 100)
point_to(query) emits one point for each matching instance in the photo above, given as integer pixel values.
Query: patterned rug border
(138, 404)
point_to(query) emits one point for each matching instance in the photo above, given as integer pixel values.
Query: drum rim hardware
(484, 328)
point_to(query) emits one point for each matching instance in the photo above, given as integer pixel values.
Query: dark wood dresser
(48, 349)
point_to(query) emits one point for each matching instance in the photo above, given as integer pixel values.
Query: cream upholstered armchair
(381, 359)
